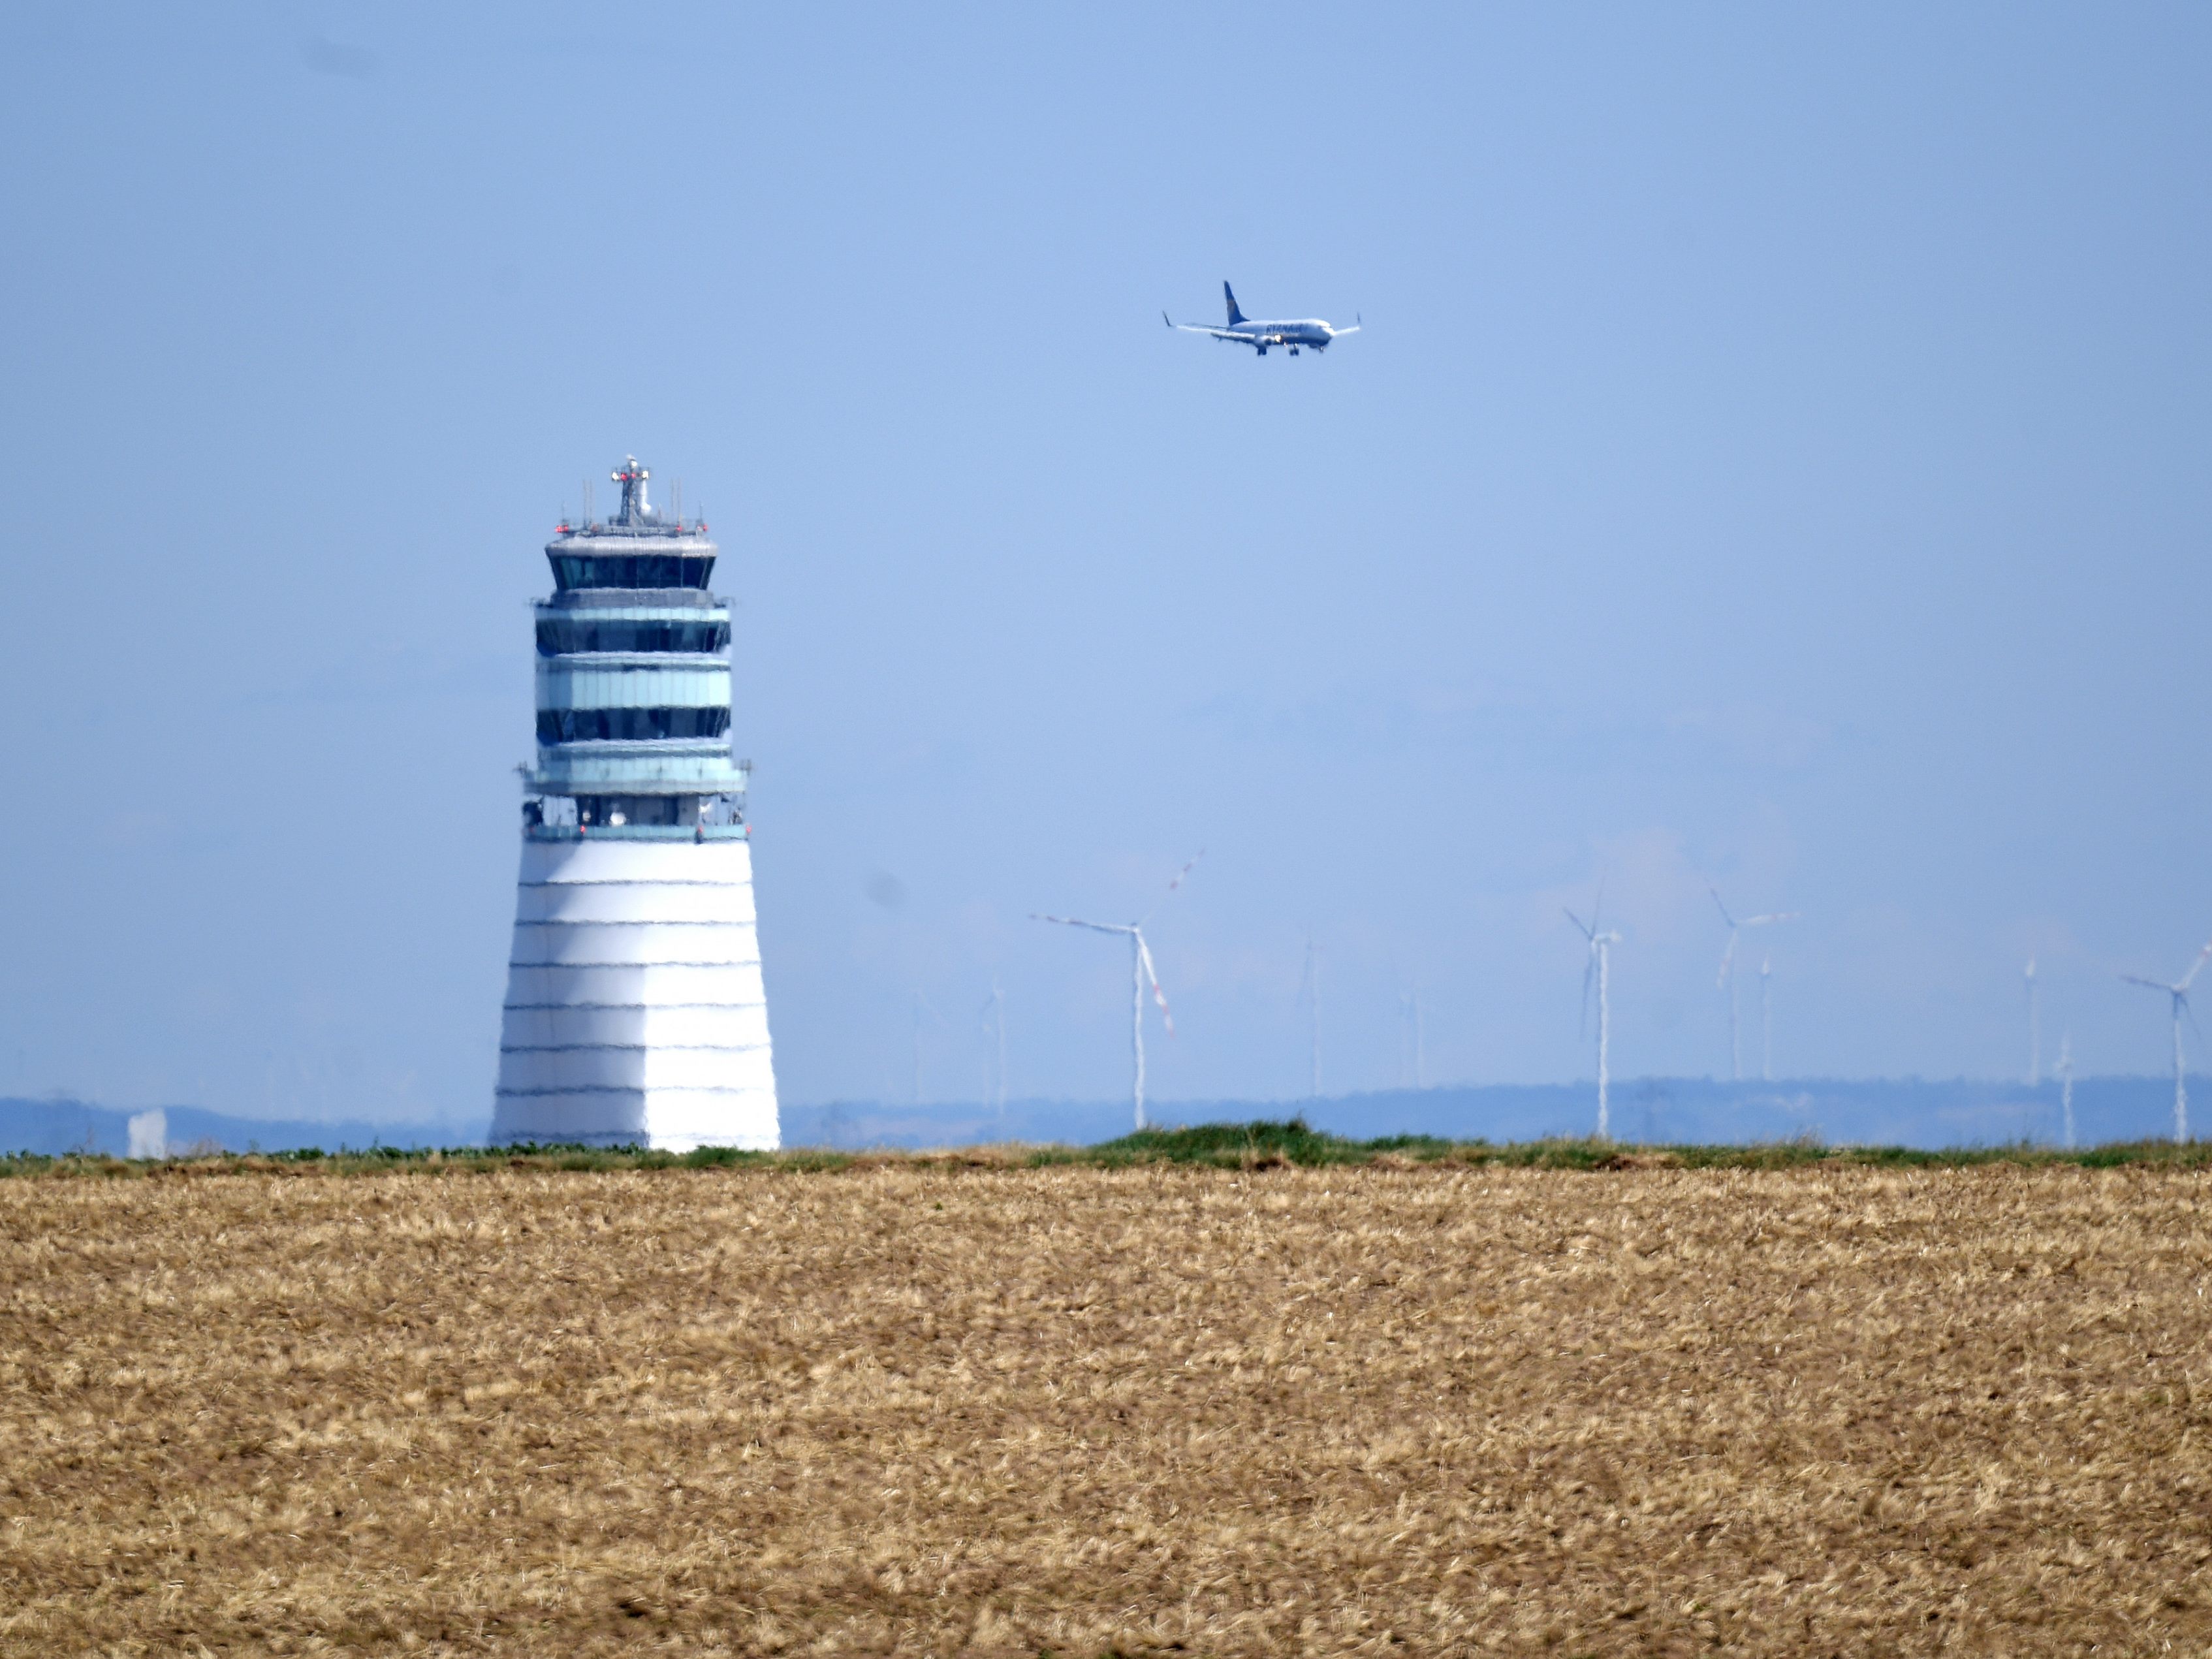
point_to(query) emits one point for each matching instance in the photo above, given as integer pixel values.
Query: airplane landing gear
(1294, 352)
(1262, 350)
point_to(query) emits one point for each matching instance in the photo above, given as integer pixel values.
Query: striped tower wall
(635, 1008)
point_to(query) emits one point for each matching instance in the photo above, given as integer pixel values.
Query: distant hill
(52, 1127)
(1895, 1111)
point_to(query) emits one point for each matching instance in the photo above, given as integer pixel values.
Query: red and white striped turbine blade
(1145, 956)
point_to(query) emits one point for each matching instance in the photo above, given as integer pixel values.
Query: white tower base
(635, 1012)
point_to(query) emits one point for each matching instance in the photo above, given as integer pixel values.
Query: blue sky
(1776, 455)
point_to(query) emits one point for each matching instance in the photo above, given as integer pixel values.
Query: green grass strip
(1263, 1144)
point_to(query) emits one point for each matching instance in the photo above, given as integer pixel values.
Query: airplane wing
(1339, 333)
(1218, 333)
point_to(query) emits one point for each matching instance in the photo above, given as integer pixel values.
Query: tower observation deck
(635, 1012)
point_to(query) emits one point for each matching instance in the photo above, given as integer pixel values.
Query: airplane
(1243, 330)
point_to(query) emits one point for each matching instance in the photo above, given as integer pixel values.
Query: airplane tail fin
(1234, 315)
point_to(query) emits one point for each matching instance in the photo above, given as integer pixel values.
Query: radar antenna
(636, 509)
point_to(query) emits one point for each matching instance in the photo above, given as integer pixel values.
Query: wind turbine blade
(2193, 1025)
(1587, 933)
(2196, 968)
(1598, 910)
(1145, 956)
(1185, 871)
(1074, 922)
(1762, 921)
(1728, 961)
(2155, 984)
(1716, 892)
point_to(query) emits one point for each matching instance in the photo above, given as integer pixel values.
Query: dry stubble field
(920, 1408)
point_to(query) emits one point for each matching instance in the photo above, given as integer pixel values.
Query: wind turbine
(1766, 1020)
(1405, 1038)
(1140, 972)
(2034, 1031)
(1727, 980)
(1420, 1043)
(1413, 1067)
(2179, 992)
(922, 1006)
(994, 1027)
(2064, 1068)
(1600, 964)
(1311, 986)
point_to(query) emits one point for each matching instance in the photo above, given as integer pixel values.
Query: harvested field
(919, 1408)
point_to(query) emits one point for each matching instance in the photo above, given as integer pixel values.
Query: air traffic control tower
(635, 1008)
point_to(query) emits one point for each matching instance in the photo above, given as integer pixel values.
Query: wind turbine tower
(1313, 1015)
(1599, 967)
(635, 1012)
(994, 1027)
(2065, 1070)
(2034, 1031)
(2178, 991)
(1412, 1063)
(923, 1009)
(1765, 1019)
(1420, 1043)
(1727, 981)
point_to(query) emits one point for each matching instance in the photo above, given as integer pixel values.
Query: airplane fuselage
(1298, 331)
